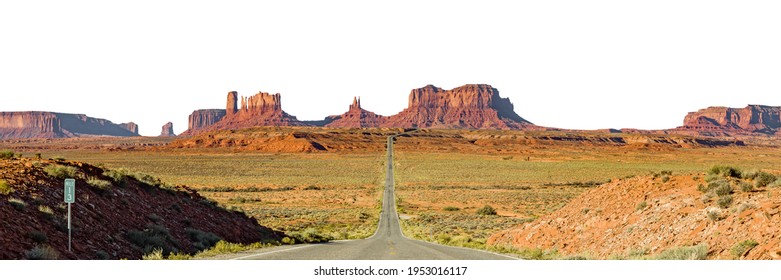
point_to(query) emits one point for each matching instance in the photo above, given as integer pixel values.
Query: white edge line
(272, 252)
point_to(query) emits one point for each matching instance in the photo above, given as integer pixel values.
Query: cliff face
(56, 125)
(168, 130)
(131, 126)
(201, 119)
(356, 117)
(468, 106)
(723, 121)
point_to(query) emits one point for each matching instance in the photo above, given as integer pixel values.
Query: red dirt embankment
(125, 219)
(652, 214)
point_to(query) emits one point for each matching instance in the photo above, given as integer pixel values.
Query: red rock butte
(724, 121)
(476, 106)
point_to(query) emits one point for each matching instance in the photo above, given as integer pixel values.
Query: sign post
(70, 197)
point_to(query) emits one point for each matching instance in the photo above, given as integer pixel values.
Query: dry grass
(335, 195)
(522, 187)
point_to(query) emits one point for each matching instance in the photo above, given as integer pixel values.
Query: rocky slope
(57, 125)
(642, 216)
(115, 215)
(724, 121)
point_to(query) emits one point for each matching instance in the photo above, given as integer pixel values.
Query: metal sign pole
(70, 197)
(69, 227)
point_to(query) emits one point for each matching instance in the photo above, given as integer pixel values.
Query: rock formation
(202, 119)
(356, 117)
(56, 125)
(168, 130)
(262, 109)
(724, 121)
(233, 98)
(469, 106)
(131, 126)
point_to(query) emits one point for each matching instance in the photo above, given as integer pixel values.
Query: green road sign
(70, 190)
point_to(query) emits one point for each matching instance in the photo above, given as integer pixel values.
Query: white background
(570, 64)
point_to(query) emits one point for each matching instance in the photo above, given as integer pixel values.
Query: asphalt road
(388, 243)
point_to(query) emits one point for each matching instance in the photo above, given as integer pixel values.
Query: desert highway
(388, 243)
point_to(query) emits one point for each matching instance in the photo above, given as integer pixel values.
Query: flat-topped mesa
(469, 106)
(723, 120)
(168, 130)
(56, 125)
(131, 126)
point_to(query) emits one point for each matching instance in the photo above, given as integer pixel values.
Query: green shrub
(37, 237)
(443, 238)
(102, 255)
(712, 177)
(224, 247)
(61, 171)
(451, 208)
(724, 201)
(715, 216)
(179, 256)
(147, 179)
(288, 240)
(202, 240)
(151, 238)
(665, 179)
(746, 187)
(17, 203)
(742, 247)
(7, 154)
(5, 189)
(698, 252)
(641, 205)
(723, 189)
(155, 255)
(42, 252)
(775, 184)
(763, 179)
(486, 210)
(309, 235)
(99, 183)
(46, 210)
(116, 175)
(725, 171)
